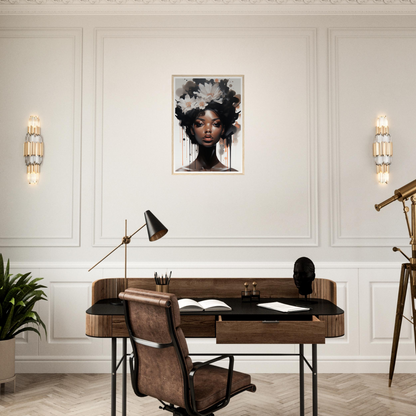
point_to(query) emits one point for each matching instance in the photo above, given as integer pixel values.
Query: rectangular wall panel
(279, 143)
(40, 75)
(69, 326)
(378, 301)
(363, 87)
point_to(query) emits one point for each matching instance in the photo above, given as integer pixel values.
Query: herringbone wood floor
(277, 394)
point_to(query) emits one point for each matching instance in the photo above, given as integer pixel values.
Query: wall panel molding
(209, 7)
(72, 236)
(310, 237)
(337, 182)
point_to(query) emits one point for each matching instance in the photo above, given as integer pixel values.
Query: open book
(282, 307)
(190, 305)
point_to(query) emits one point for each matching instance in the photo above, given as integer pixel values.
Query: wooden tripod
(405, 274)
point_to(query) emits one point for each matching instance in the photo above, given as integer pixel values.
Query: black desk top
(239, 308)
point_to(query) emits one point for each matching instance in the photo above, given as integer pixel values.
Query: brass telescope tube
(400, 194)
(386, 202)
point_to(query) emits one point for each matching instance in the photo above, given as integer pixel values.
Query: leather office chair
(160, 365)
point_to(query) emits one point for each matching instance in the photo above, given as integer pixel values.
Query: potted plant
(18, 296)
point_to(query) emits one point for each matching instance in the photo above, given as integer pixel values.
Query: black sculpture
(304, 275)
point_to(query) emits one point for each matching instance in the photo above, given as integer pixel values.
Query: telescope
(400, 194)
(408, 271)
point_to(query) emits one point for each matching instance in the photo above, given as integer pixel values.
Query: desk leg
(124, 376)
(315, 379)
(301, 381)
(113, 375)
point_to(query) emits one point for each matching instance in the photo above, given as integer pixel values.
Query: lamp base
(115, 301)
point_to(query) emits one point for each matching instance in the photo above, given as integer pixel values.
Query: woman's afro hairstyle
(225, 106)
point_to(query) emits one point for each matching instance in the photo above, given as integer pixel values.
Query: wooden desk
(245, 326)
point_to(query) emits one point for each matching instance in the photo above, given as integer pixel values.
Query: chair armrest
(198, 366)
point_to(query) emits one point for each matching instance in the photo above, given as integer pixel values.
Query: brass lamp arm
(126, 240)
(144, 225)
(112, 251)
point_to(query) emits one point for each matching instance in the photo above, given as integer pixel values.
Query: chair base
(177, 411)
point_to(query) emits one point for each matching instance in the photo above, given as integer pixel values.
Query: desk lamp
(155, 230)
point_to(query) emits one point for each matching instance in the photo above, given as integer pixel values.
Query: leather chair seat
(211, 383)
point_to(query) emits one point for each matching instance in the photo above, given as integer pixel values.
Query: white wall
(101, 85)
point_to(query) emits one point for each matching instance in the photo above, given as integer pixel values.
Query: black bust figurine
(304, 275)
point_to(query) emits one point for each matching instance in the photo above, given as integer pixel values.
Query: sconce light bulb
(33, 178)
(383, 177)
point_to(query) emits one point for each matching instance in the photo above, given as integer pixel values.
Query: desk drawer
(198, 326)
(281, 332)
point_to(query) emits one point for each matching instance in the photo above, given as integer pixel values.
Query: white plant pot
(7, 360)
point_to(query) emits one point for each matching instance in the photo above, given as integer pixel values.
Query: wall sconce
(33, 150)
(382, 149)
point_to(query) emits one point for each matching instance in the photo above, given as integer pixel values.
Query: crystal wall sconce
(33, 150)
(382, 149)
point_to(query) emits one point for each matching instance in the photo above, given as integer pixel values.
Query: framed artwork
(208, 124)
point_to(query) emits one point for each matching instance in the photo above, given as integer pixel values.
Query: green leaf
(41, 322)
(6, 273)
(19, 294)
(27, 328)
(23, 279)
(11, 294)
(3, 334)
(1, 270)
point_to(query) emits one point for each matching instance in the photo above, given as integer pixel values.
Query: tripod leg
(404, 278)
(413, 292)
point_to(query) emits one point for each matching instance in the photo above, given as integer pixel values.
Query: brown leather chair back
(159, 368)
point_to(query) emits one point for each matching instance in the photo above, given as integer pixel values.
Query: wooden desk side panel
(334, 325)
(324, 289)
(99, 326)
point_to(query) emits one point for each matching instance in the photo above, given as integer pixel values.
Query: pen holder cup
(162, 288)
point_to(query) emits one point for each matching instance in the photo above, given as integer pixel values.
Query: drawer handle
(270, 322)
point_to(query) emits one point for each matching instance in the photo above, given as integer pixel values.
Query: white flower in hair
(210, 92)
(187, 103)
(200, 103)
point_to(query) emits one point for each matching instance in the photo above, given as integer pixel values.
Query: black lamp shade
(155, 228)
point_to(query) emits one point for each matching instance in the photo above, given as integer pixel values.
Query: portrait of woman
(207, 125)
